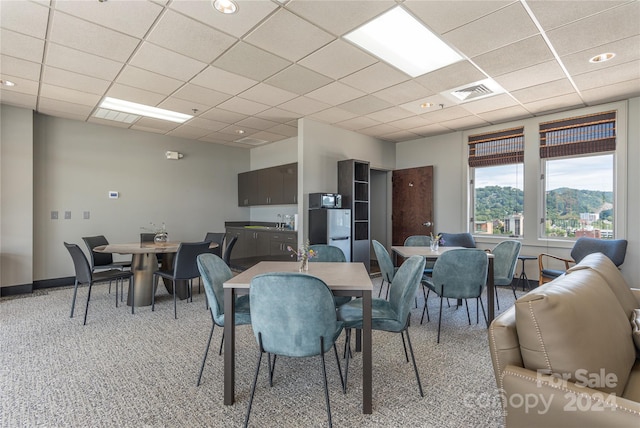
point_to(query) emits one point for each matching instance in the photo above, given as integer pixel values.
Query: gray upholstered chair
(387, 269)
(293, 315)
(330, 253)
(615, 249)
(103, 261)
(505, 257)
(227, 251)
(84, 275)
(417, 241)
(392, 315)
(218, 238)
(214, 272)
(458, 274)
(185, 268)
(458, 240)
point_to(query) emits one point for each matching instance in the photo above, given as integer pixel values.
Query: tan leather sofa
(564, 354)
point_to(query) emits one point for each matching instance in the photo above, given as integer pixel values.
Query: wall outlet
(54, 215)
(67, 215)
(86, 215)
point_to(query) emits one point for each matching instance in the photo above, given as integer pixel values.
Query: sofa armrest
(636, 293)
(534, 400)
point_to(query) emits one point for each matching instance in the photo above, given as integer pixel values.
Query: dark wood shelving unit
(353, 185)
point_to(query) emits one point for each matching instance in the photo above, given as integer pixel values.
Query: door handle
(427, 224)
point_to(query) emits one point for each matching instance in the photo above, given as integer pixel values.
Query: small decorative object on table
(161, 232)
(436, 241)
(303, 254)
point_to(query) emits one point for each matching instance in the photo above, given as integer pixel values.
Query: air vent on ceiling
(471, 92)
(251, 141)
(474, 91)
(117, 116)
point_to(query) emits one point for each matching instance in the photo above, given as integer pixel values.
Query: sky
(585, 173)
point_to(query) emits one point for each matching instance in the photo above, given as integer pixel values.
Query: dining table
(344, 279)
(144, 263)
(433, 254)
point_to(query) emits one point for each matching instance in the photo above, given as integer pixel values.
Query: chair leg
(381, 287)
(335, 351)
(221, 343)
(466, 303)
(206, 351)
(133, 294)
(497, 299)
(116, 291)
(348, 353)
(415, 367)
(73, 301)
(439, 320)
(153, 293)
(272, 368)
(404, 345)
(86, 310)
(425, 309)
(483, 313)
(175, 306)
(255, 381)
(324, 375)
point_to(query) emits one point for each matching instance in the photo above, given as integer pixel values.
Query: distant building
(483, 227)
(514, 224)
(588, 233)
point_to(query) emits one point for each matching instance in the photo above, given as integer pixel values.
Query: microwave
(325, 200)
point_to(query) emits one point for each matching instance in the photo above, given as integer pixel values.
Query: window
(496, 161)
(578, 164)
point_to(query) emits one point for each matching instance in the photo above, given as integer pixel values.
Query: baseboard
(15, 290)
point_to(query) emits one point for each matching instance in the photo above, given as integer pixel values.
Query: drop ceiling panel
(129, 17)
(69, 95)
(189, 37)
(558, 103)
(288, 36)
(299, 80)
(473, 39)
(226, 116)
(21, 46)
(267, 94)
(553, 14)
(403, 92)
(389, 114)
(256, 123)
(304, 106)
(335, 92)
(531, 76)
(24, 17)
(210, 125)
(207, 97)
(242, 59)
(165, 62)
(612, 92)
(18, 99)
(95, 39)
(186, 131)
(333, 115)
(129, 93)
(144, 79)
(338, 59)
(54, 107)
(278, 115)
(365, 105)
(249, 14)
(81, 62)
(223, 81)
(375, 77)
(286, 130)
(154, 124)
(489, 104)
(499, 115)
(242, 106)
(182, 106)
(79, 82)
(625, 50)
(451, 76)
(518, 55)
(358, 123)
(19, 67)
(23, 86)
(619, 73)
(543, 91)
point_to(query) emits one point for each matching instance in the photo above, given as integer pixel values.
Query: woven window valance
(578, 135)
(497, 148)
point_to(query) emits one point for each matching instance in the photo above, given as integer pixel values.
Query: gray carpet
(140, 370)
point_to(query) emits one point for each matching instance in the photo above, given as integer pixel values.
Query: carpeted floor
(140, 370)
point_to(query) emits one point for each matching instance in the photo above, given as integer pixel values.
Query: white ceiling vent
(117, 116)
(474, 91)
(251, 141)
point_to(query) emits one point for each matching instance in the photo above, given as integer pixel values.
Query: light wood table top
(142, 247)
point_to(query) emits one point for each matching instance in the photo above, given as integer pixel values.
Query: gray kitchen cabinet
(279, 243)
(254, 245)
(277, 185)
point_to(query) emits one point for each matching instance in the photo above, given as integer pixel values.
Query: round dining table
(147, 258)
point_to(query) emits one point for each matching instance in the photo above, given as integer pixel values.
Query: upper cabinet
(277, 185)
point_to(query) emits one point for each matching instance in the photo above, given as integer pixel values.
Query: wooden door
(412, 207)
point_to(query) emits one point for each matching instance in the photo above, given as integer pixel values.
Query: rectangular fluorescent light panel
(399, 39)
(144, 110)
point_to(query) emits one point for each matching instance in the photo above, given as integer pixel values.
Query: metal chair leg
(324, 375)
(404, 345)
(206, 351)
(221, 343)
(335, 350)
(86, 310)
(415, 367)
(255, 381)
(73, 301)
(439, 320)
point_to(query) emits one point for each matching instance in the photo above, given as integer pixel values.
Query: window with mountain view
(496, 161)
(578, 161)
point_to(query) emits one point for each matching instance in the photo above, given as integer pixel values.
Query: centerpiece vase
(304, 265)
(435, 245)
(161, 237)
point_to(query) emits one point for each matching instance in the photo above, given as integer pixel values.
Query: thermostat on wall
(113, 195)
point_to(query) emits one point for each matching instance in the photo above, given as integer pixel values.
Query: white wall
(321, 146)
(76, 164)
(16, 196)
(448, 154)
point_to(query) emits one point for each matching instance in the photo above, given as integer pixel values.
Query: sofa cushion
(601, 264)
(575, 327)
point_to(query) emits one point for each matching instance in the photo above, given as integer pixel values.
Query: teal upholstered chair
(330, 253)
(293, 315)
(421, 241)
(458, 240)
(615, 249)
(392, 315)
(458, 274)
(387, 269)
(505, 257)
(215, 272)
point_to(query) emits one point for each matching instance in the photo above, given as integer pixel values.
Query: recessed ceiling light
(399, 39)
(7, 83)
(240, 131)
(144, 110)
(426, 105)
(225, 6)
(602, 57)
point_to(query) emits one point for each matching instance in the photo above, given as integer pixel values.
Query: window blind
(497, 148)
(578, 135)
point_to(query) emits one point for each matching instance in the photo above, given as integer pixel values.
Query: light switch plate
(86, 215)
(54, 215)
(67, 215)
